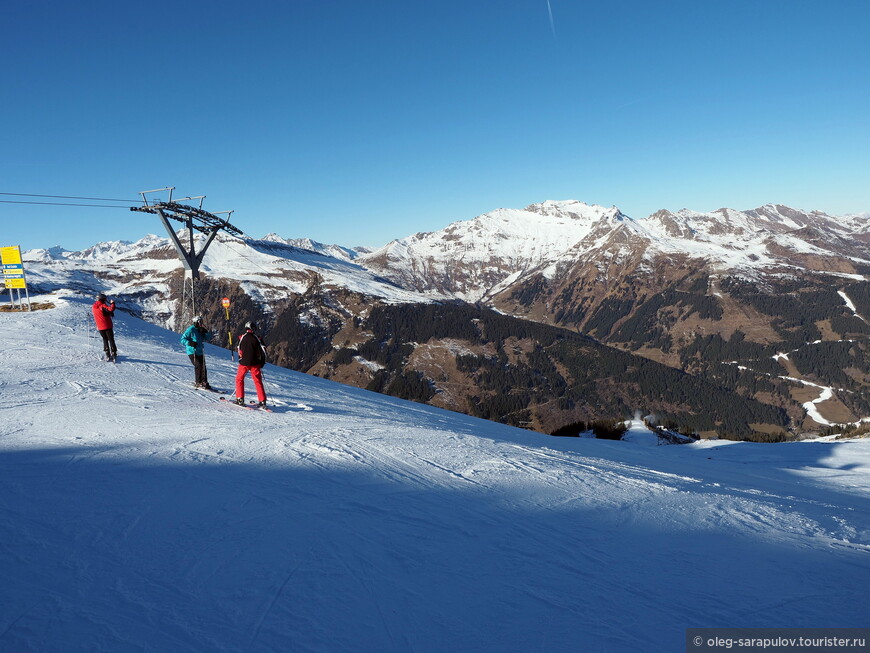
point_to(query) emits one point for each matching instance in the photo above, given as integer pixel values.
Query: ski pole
(271, 387)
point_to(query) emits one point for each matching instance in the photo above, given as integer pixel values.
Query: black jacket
(251, 352)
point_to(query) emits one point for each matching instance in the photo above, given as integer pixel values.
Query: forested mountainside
(474, 360)
(742, 334)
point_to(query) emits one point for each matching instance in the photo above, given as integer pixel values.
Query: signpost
(13, 274)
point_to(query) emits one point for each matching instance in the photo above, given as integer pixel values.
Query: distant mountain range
(494, 254)
(762, 311)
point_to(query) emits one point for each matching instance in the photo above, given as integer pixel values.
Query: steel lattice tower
(194, 219)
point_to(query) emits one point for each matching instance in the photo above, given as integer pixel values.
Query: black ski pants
(200, 372)
(109, 341)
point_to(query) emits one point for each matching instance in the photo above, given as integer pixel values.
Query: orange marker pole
(225, 302)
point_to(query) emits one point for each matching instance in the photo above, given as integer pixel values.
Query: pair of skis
(283, 406)
(251, 405)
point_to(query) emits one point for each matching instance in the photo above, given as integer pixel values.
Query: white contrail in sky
(552, 24)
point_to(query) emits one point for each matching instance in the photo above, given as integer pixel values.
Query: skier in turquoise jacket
(193, 339)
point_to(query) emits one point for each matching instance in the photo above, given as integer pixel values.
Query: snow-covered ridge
(125, 268)
(477, 258)
(537, 233)
(139, 513)
(335, 251)
(495, 247)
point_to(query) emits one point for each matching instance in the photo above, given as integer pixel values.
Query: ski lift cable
(101, 199)
(103, 206)
(73, 197)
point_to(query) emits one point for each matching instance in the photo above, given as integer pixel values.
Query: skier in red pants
(252, 357)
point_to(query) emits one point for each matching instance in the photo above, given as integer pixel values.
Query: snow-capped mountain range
(146, 274)
(693, 291)
(477, 259)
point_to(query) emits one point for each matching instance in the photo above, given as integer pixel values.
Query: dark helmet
(101, 297)
(251, 325)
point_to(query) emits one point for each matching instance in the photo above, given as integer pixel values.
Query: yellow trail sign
(13, 267)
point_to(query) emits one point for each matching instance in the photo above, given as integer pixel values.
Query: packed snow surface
(137, 513)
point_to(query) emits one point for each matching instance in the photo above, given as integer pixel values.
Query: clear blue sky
(357, 122)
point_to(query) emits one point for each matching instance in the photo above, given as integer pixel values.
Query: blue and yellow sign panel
(13, 267)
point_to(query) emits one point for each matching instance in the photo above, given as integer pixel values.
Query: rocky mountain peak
(787, 217)
(674, 225)
(50, 254)
(575, 210)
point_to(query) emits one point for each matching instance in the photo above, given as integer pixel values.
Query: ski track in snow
(139, 513)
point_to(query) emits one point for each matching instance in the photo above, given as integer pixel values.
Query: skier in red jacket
(103, 313)
(252, 357)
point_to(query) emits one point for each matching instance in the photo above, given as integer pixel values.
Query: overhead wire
(68, 197)
(73, 197)
(110, 206)
(105, 206)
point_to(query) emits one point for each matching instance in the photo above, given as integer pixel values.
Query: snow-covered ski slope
(139, 514)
